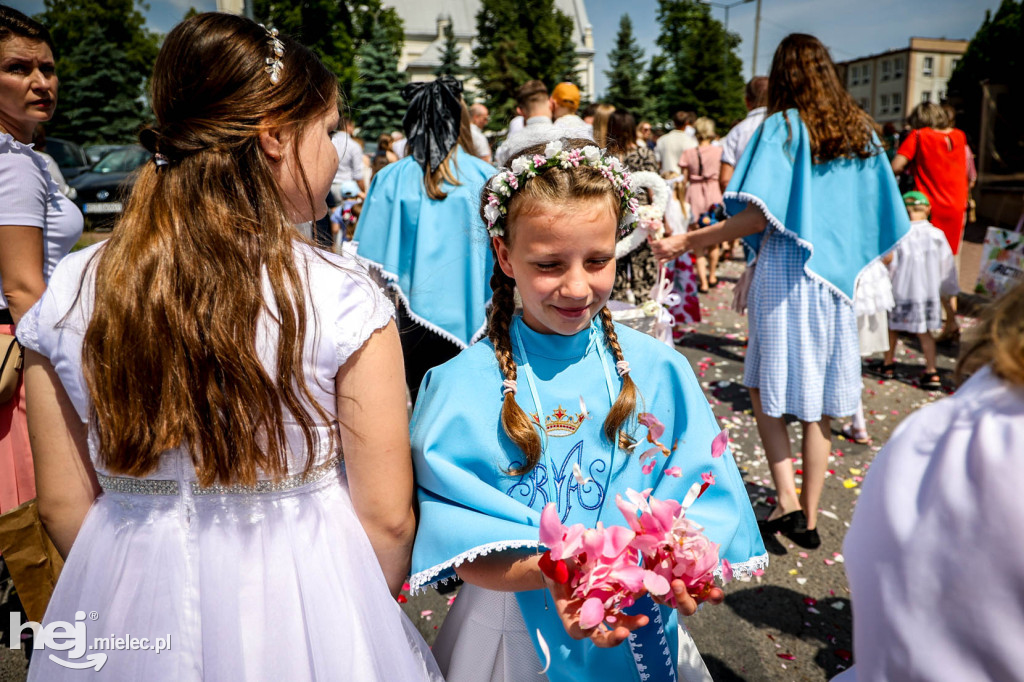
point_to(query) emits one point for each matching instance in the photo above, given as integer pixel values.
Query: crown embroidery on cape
(560, 423)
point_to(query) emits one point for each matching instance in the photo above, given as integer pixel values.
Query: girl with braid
(550, 408)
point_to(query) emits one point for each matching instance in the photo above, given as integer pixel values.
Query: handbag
(31, 557)
(10, 366)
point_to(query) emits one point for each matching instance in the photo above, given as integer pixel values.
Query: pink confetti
(451, 600)
(719, 444)
(829, 562)
(426, 614)
(786, 656)
(405, 587)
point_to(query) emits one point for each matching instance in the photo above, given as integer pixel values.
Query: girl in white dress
(193, 382)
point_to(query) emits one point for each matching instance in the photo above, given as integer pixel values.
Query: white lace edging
(383, 312)
(777, 224)
(444, 334)
(429, 577)
(745, 569)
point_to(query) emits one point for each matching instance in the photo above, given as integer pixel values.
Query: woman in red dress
(935, 154)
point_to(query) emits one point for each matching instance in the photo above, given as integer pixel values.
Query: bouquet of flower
(609, 568)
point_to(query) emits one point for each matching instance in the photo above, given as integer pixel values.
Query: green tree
(333, 29)
(105, 56)
(377, 103)
(520, 40)
(657, 109)
(994, 55)
(626, 86)
(704, 71)
(450, 54)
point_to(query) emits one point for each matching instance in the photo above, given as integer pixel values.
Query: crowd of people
(210, 437)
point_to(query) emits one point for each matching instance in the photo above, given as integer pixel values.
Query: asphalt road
(794, 621)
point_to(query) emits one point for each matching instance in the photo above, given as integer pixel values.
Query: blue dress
(826, 222)
(470, 505)
(803, 351)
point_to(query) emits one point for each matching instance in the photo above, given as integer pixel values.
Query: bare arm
(21, 267)
(747, 222)
(725, 175)
(899, 163)
(375, 435)
(65, 479)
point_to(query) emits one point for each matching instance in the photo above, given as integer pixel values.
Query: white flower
(591, 153)
(491, 213)
(497, 183)
(520, 164)
(553, 148)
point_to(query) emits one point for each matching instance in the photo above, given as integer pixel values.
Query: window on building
(942, 95)
(885, 104)
(929, 66)
(897, 102)
(866, 73)
(953, 63)
(864, 103)
(854, 75)
(926, 97)
(886, 69)
(897, 67)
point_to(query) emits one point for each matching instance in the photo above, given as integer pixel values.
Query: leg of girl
(775, 438)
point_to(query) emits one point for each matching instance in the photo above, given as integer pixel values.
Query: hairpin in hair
(274, 65)
(160, 160)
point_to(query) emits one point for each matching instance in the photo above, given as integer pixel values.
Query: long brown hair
(552, 187)
(170, 354)
(803, 77)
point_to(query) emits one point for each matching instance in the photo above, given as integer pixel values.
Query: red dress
(939, 166)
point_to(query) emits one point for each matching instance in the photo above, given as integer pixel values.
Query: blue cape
(470, 506)
(846, 212)
(435, 253)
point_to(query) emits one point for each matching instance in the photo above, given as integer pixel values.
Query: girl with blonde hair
(548, 409)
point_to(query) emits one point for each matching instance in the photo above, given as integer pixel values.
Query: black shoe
(801, 535)
(784, 524)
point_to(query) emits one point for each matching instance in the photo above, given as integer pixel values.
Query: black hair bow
(433, 119)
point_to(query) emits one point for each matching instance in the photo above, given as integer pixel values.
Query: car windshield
(121, 161)
(63, 153)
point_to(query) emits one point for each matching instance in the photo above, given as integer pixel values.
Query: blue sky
(851, 28)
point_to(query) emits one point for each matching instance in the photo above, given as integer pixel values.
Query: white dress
(922, 271)
(274, 583)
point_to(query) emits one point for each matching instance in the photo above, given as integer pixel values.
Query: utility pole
(757, 34)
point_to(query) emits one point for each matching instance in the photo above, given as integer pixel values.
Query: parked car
(103, 189)
(95, 152)
(70, 158)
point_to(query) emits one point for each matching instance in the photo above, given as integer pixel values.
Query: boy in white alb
(922, 272)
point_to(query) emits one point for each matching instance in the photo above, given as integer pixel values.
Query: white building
(889, 85)
(425, 21)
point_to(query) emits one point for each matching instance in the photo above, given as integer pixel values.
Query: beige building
(425, 21)
(889, 85)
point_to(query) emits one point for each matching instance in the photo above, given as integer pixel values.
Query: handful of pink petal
(609, 568)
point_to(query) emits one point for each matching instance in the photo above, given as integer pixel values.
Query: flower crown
(501, 187)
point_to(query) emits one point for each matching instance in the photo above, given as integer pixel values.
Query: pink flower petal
(650, 452)
(656, 584)
(649, 467)
(675, 472)
(719, 444)
(551, 529)
(591, 613)
(708, 477)
(727, 573)
(655, 429)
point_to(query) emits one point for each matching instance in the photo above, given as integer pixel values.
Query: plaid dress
(803, 349)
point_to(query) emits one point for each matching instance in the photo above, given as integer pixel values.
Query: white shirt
(671, 146)
(31, 198)
(481, 148)
(570, 121)
(350, 158)
(935, 550)
(737, 138)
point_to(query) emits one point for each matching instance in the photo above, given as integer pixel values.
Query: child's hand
(569, 611)
(670, 248)
(686, 604)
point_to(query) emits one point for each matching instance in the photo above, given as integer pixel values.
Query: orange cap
(567, 95)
